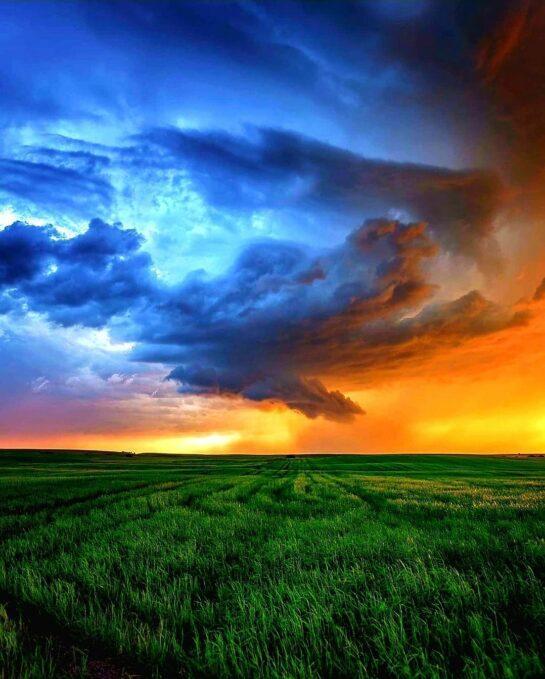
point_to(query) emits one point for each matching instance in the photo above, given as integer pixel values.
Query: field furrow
(379, 566)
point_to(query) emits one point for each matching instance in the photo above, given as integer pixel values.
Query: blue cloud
(84, 280)
(276, 169)
(385, 80)
(266, 328)
(299, 179)
(58, 188)
(25, 251)
(204, 125)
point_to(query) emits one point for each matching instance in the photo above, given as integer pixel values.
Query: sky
(269, 227)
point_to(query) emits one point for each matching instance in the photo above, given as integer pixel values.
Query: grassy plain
(345, 566)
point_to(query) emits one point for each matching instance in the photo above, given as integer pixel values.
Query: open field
(382, 566)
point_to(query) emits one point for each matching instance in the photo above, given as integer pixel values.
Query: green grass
(346, 566)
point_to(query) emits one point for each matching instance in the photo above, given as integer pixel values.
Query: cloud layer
(250, 147)
(272, 326)
(273, 168)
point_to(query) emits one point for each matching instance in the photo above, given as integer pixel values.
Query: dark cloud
(60, 188)
(540, 291)
(384, 347)
(468, 316)
(264, 331)
(366, 68)
(285, 323)
(24, 252)
(300, 178)
(84, 280)
(278, 169)
(278, 320)
(101, 243)
(172, 46)
(509, 59)
(83, 161)
(305, 395)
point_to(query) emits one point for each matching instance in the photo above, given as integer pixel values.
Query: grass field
(346, 566)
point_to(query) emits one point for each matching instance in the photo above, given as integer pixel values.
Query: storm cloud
(84, 280)
(258, 142)
(278, 325)
(271, 168)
